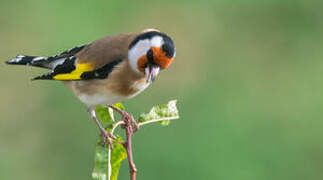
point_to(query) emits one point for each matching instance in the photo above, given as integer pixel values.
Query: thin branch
(127, 119)
(110, 147)
(116, 125)
(109, 163)
(116, 140)
(116, 109)
(158, 120)
(128, 146)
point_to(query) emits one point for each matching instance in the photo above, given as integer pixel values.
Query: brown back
(106, 50)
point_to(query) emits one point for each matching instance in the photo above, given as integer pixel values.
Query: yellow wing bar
(75, 74)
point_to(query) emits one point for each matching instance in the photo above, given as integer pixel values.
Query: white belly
(100, 99)
(108, 97)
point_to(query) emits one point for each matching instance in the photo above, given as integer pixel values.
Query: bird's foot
(106, 138)
(127, 118)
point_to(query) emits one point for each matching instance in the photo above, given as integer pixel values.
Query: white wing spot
(17, 59)
(39, 58)
(57, 62)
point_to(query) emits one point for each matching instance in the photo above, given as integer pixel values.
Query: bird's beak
(151, 72)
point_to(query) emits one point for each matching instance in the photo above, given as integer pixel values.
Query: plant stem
(126, 124)
(128, 147)
(126, 120)
(158, 120)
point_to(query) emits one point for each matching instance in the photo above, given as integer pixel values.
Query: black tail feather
(48, 76)
(28, 60)
(66, 57)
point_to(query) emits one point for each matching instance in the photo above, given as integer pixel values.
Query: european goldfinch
(108, 70)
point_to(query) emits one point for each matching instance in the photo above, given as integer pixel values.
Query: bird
(108, 70)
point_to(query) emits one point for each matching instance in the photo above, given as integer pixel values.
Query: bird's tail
(30, 61)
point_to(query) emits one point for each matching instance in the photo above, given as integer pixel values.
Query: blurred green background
(248, 77)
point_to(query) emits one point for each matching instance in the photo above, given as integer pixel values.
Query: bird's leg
(104, 134)
(128, 118)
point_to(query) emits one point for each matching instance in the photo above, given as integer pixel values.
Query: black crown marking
(168, 47)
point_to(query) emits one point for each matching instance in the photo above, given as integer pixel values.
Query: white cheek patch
(137, 51)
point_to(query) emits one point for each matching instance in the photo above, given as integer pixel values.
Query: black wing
(45, 62)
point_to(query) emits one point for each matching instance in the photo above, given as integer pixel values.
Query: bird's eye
(150, 56)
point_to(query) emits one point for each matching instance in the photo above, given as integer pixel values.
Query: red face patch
(142, 63)
(160, 57)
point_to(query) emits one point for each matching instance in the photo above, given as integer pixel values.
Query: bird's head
(150, 52)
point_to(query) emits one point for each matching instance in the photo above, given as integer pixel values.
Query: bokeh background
(248, 79)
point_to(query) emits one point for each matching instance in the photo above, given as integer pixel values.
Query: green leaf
(104, 115)
(118, 154)
(119, 105)
(101, 161)
(168, 110)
